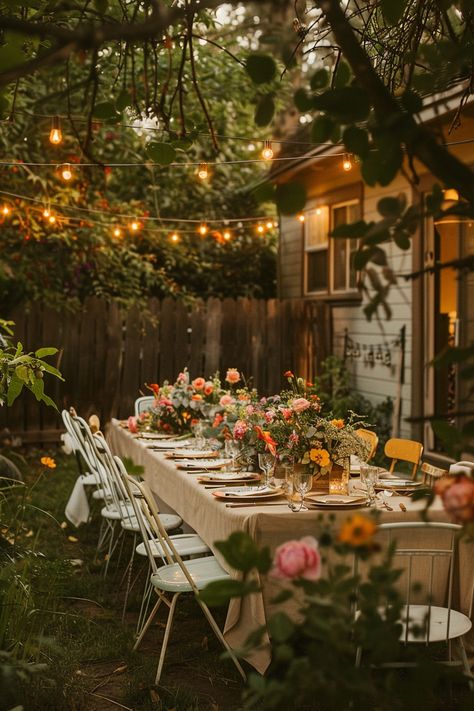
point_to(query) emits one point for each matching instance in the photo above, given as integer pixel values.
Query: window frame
(348, 289)
(312, 250)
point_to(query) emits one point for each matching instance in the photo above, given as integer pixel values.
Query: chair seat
(170, 578)
(88, 479)
(459, 624)
(102, 493)
(115, 514)
(129, 521)
(185, 544)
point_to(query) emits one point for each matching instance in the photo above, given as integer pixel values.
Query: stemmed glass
(232, 449)
(368, 478)
(302, 482)
(266, 462)
(289, 489)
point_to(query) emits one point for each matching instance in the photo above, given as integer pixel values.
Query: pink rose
(198, 383)
(208, 387)
(250, 409)
(300, 404)
(132, 424)
(269, 416)
(287, 412)
(297, 559)
(232, 376)
(458, 499)
(166, 401)
(240, 428)
(226, 400)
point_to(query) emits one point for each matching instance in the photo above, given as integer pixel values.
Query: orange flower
(266, 437)
(48, 462)
(319, 456)
(338, 423)
(357, 531)
(288, 374)
(196, 397)
(154, 387)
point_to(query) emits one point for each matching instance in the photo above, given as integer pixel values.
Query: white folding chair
(175, 577)
(142, 404)
(424, 622)
(77, 445)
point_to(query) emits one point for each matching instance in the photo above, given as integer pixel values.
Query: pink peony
(232, 376)
(198, 383)
(250, 409)
(132, 424)
(240, 429)
(458, 499)
(208, 387)
(297, 559)
(287, 412)
(269, 416)
(300, 404)
(226, 400)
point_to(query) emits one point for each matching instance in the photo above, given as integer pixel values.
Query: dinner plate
(337, 501)
(202, 463)
(154, 435)
(245, 493)
(172, 444)
(191, 453)
(230, 477)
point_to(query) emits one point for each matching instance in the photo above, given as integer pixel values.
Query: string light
(267, 152)
(117, 232)
(135, 226)
(55, 135)
(203, 171)
(51, 219)
(300, 217)
(269, 224)
(174, 237)
(275, 223)
(66, 172)
(46, 212)
(226, 235)
(260, 229)
(6, 211)
(347, 162)
(203, 229)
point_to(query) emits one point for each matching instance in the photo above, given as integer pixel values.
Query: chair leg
(164, 644)
(147, 591)
(112, 546)
(129, 577)
(358, 658)
(149, 621)
(465, 662)
(220, 637)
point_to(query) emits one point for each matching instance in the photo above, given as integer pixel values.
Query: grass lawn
(87, 651)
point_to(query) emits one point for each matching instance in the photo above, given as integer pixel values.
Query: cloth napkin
(77, 508)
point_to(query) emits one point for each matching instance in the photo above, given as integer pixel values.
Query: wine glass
(302, 482)
(266, 462)
(232, 449)
(368, 478)
(289, 489)
(198, 431)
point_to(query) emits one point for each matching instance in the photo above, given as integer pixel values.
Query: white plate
(337, 500)
(191, 453)
(224, 477)
(154, 435)
(247, 492)
(202, 463)
(172, 444)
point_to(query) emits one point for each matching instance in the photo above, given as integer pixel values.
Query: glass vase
(339, 477)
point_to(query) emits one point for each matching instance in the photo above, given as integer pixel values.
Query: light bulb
(117, 232)
(46, 212)
(174, 237)
(51, 219)
(66, 172)
(203, 171)
(300, 217)
(318, 211)
(267, 152)
(202, 230)
(226, 235)
(135, 226)
(347, 163)
(260, 229)
(275, 223)
(269, 225)
(6, 210)
(55, 135)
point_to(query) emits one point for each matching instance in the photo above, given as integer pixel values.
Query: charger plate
(171, 444)
(202, 463)
(247, 493)
(230, 478)
(397, 483)
(154, 435)
(191, 454)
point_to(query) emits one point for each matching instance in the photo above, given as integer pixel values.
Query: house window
(328, 262)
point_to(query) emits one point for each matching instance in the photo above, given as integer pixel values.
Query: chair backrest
(151, 519)
(371, 439)
(77, 429)
(431, 473)
(404, 450)
(142, 404)
(424, 557)
(119, 494)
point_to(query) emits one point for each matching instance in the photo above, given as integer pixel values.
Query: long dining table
(180, 491)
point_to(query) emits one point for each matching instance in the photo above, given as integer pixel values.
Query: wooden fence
(107, 355)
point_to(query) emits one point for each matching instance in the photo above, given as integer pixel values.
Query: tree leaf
(264, 192)
(123, 100)
(106, 111)
(351, 230)
(14, 389)
(302, 100)
(390, 206)
(347, 105)
(321, 129)
(320, 79)
(356, 140)
(280, 627)
(290, 198)
(161, 153)
(265, 110)
(393, 10)
(43, 352)
(261, 68)
(343, 75)
(220, 592)
(240, 551)
(412, 102)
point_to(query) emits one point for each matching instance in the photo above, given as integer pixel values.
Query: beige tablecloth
(269, 526)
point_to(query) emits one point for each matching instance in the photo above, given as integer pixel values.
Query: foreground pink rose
(132, 424)
(458, 499)
(300, 404)
(232, 376)
(198, 383)
(226, 400)
(297, 559)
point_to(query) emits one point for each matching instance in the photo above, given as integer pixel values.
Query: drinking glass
(232, 449)
(302, 482)
(198, 431)
(289, 490)
(266, 462)
(368, 478)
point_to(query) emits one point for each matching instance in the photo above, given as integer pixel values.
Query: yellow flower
(48, 462)
(338, 423)
(319, 456)
(357, 531)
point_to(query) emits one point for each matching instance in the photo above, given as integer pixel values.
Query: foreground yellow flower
(357, 531)
(319, 456)
(338, 423)
(48, 462)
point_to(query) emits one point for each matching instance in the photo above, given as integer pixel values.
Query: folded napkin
(77, 508)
